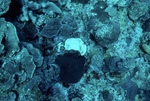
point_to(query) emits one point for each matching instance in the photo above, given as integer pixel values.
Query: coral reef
(74, 50)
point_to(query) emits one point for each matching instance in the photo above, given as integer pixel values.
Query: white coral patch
(75, 44)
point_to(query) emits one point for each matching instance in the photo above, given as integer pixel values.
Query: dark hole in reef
(66, 85)
(71, 67)
(5, 48)
(80, 1)
(1, 62)
(14, 11)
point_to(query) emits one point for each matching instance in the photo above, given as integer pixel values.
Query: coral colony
(74, 50)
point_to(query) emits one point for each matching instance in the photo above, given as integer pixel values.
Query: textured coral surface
(74, 50)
